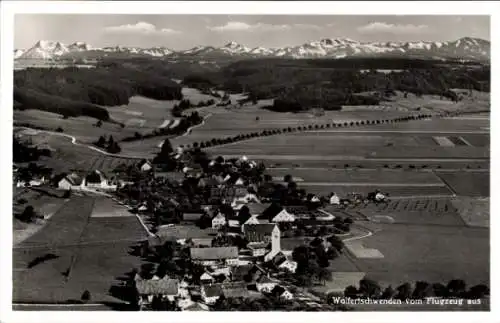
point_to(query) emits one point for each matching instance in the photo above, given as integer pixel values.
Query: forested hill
(75, 92)
(296, 82)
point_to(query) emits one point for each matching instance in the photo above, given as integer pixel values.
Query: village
(216, 229)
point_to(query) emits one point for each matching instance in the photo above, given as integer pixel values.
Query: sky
(186, 31)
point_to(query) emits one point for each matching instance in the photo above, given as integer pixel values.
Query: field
(467, 184)
(433, 253)
(141, 115)
(474, 211)
(89, 252)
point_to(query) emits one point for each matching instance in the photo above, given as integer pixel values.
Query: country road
(75, 142)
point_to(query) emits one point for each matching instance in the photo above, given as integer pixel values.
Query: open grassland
(474, 211)
(230, 122)
(106, 207)
(433, 253)
(334, 149)
(80, 127)
(142, 114)
(67, 157)
(324, 189)
(423, 211)
(357, 176)
(87, 253)
(467, 184)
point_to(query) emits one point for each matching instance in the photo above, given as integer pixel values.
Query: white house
(215, 255)
(334, 199)
(102, 184)
(289, 265)
(146, 166)
(206, 278)
(219, 221)
(33, 182)
(265, 284)
(284, 216)
(70, 182)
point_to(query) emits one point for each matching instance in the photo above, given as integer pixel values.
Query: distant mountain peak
(463, 48)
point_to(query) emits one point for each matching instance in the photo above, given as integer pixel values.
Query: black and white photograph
(259, 162)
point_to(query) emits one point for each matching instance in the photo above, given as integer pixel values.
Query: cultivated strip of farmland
(64, 227)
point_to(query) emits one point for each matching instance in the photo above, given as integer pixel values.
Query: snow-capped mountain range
(463, 48)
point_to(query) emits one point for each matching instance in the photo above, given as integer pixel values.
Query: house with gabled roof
(215, 255)
(70, 182)
(282, 293)
(148, 288)
(145, 165)
(219, 221)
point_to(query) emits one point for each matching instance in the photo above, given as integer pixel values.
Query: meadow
(89, 252)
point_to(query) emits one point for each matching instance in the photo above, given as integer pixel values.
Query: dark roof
(195, 216)
(258, 245)
(271, 212)
(278, 290)
(164, 286)
(239, 272)
(214, 253)
(213, 290)
(234, 290)
(258, 232)
(264, 279)
(257, 208)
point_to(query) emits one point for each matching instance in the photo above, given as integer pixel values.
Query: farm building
(211, 293)
(70, 182)
(215, 255)
(97, 180)
(148, 288)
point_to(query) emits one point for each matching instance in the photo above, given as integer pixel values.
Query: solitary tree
(86, 296)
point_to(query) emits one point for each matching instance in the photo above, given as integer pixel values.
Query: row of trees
(264, 133)
(421, 289)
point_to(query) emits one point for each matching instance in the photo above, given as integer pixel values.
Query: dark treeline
(74, 92)
(296, 83)
(23, 153)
